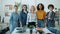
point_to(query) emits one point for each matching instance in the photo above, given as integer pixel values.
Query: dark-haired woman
(23, 16)
(40, 16)
(50, 16)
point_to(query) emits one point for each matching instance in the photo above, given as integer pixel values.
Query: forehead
(50, 7)
(24, 6)
(40, 5)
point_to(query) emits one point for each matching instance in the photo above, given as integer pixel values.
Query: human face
(16, 9)
(24, 8)
(40, 7)
(50, 8)
(32, 8)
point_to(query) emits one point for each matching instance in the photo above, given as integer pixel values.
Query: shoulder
(21, 11)
(44, 11)
(29, 13)
(53, 12)
(47, 13)
(37, 11)
(12, 13)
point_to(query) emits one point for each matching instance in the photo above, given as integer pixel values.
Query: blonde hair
(33, 8)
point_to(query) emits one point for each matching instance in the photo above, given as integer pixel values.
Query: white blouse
(31, 17)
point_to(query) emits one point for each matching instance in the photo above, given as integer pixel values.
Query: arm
(36, 19)
(11, 19)
(20, 18)
(27, 19)
(39, 28)
(53, 16)
(47, 15)
(18, 21)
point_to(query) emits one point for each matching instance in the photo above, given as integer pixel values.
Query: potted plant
(17, 4)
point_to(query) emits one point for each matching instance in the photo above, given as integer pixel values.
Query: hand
(39, 28)
(20, 24)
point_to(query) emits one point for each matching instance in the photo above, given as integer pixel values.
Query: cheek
(25, 7)
(40, 7)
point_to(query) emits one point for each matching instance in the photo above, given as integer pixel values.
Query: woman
(50, 16)
(23, 16)
(14, 20)
(40, 15)
(31, 17)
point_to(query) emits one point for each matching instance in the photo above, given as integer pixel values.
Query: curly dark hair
(50, 5)
(41, 5)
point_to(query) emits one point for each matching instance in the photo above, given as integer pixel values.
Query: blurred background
(7, 7)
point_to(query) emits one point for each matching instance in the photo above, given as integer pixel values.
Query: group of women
(32, 17)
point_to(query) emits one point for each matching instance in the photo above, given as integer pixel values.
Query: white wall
(47, 2)
(29, 3)
(33, 2)
(0, 7)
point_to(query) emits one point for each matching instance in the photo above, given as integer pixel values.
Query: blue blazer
(52, 15)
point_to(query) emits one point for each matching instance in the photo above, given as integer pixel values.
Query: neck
(24, 10)
(40, 10)
(51, 10)
(16, 11)
(32, 12)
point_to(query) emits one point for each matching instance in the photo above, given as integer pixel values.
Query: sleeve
(45, 15)
(36, 19)
(53, 16)
(27, 18)
(45, 19)
(20, 17)
(18, 21)
(11, 19)
(36, 13)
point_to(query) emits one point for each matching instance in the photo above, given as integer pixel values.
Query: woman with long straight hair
(23, 16)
